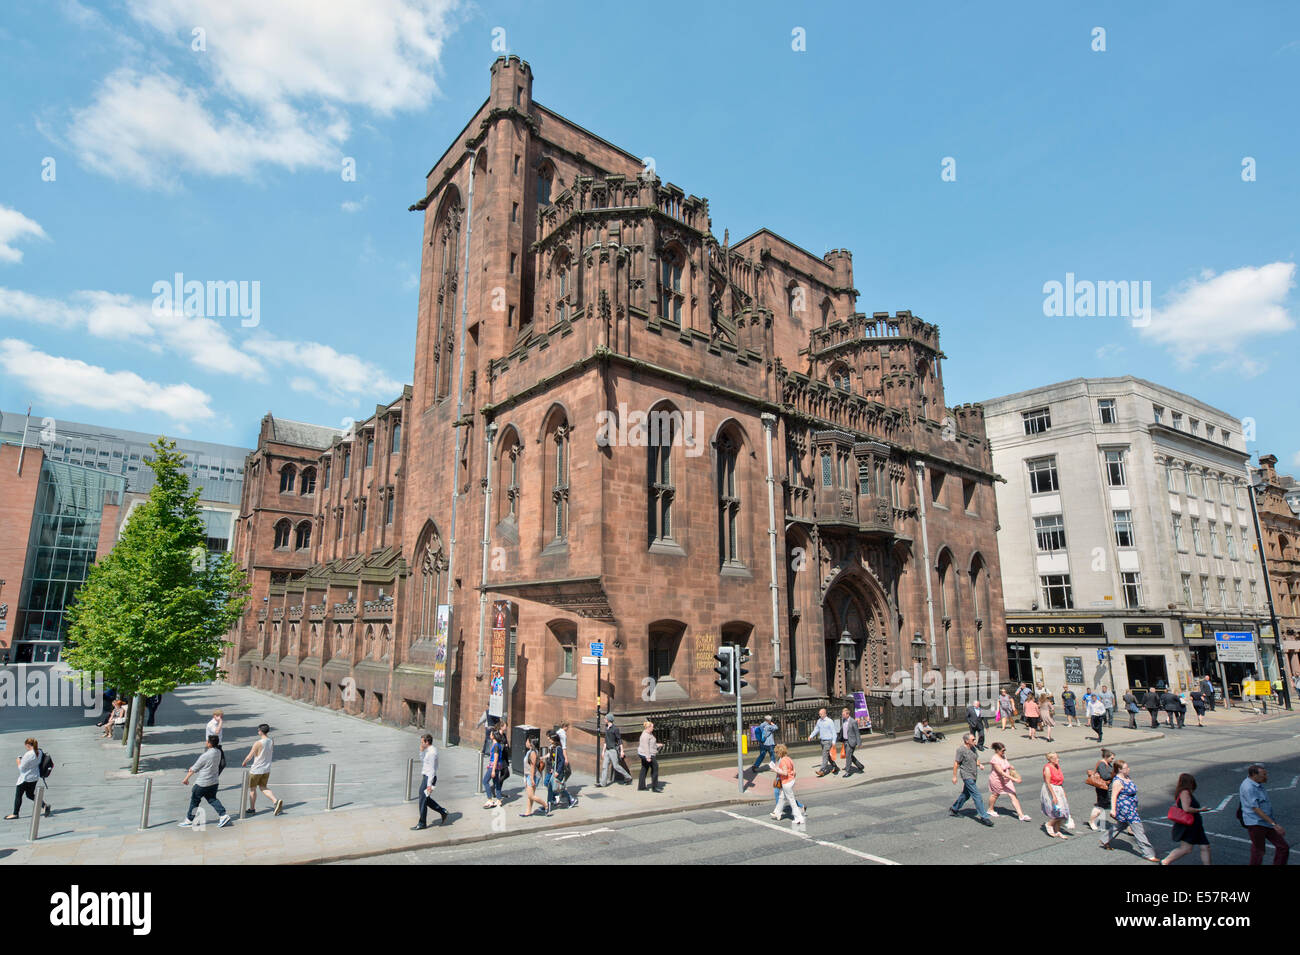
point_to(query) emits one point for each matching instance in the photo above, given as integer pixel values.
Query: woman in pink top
(1031, 715)
(1002, 781)
(783, 766)
(1052, 798)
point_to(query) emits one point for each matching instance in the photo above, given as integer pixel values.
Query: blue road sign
(598, 649)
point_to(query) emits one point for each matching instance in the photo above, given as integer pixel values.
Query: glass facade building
(65, 533)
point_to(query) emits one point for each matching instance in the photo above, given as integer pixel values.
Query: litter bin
(519, 746)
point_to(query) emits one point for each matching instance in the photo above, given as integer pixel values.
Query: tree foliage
(154, 612)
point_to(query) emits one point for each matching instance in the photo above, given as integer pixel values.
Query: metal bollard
(329, 790)
(144, 811)
(36, 813)
(410, 767)
(243, 797)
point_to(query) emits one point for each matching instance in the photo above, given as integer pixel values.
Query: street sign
(1235, 646)
(1256, 688)
(592, 661)
(598, 649)
(1101, 653)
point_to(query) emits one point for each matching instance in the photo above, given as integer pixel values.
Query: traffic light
(723, 670)
(742, 657)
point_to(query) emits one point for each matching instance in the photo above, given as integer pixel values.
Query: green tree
(154, 612)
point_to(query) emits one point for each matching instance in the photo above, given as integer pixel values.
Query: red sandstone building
(657, 441)
(1278, 501)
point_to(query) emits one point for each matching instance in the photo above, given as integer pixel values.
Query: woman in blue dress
(1124, 812)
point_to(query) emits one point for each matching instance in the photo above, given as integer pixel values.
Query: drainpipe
(460, 408)
(925, 556)
(490, 435)
(769, 423)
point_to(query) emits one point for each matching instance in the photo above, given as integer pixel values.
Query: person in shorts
(1067, 704)
(259, 776)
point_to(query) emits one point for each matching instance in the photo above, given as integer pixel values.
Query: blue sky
(224, 162)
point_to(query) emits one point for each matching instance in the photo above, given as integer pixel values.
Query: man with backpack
(558, 772)
(765, 736)
(34, 767)
(207, 775)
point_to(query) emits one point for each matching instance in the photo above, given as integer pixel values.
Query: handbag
(1180, 815)
(1094, 779)
(1014, 776)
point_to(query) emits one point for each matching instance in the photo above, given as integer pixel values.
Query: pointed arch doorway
(853, 605)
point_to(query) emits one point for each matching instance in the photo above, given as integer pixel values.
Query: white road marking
(579, 835)
(1217, 835)
(803, 835)
(1226, 800)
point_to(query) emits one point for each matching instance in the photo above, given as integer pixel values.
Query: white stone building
(1125, 523)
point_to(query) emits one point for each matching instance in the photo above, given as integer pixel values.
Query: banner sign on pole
(1235, 646)
(441, 626)
(500, 631)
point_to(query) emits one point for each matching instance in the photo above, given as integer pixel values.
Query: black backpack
(45, 765)
(221, 766)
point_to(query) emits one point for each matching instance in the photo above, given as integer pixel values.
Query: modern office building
(66, 492)
(1126, 524)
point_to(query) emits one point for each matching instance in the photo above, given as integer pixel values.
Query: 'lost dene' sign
(1092, 628)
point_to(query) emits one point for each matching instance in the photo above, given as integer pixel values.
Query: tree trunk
(137, 726)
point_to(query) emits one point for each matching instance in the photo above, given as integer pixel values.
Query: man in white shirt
(216, 727)
(259, 777)
(428, 779)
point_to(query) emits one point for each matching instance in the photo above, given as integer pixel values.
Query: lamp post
(918, 664)
(1257, 487)
(848, 653)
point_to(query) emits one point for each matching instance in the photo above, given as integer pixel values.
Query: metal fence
(701, 731)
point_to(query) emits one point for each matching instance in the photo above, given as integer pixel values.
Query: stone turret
(512, 84)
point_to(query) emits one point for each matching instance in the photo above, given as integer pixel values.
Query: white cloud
(69, 382)
(13, 227)
(1219, 315)
(272, 85)
(332, 373)
(351, 206)
(1295, 460)
(116, 317)
(149, 128)
(1109, 350)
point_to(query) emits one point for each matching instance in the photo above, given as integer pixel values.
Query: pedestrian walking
(557, 773)
(534, 767)
(1096, 715)
(783, 766)
(1032, 716)
(1198, 704)
(966, 766)
(1181, 712)
(1022, 695)
(1088, 697)
(1256, 814)
(852, 740)
(1189, 828)
(1151, 703)
(1131, 708)
(151, 704)
(612, 762)
(1099, 778)
(1108, 701)
(1005, 709)
(975, 720)
(562, 731)
(1169, 703)
(428, 780)
(1069, 704)
(216, 726)
(648, 749)
(1207, 688)
(497, 769)
(206, 772)
(826, 732)
(1047, 714)
(1124, 812)
(29, 776)
(765, 735)
(1002, 781)
(1052, 799)
(259, 777)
